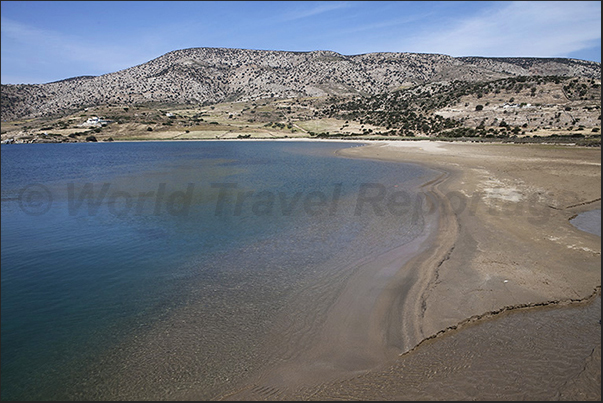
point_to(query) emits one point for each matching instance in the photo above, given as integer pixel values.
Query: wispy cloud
(523, 28)
(388, 24)
(64, 49)
(323, 7)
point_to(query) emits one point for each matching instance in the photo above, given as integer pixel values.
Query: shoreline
(297, 330)
(560, 265)
(503, 182)
(424, 265)
(338, 140)
(361, 331)
(448, 233)
(498, 240)
(493, 259)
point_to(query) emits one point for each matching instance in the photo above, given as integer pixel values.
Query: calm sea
(157, 267)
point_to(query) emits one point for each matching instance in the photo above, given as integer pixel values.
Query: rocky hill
(211, 75)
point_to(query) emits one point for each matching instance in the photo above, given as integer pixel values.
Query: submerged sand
(498, 299)
(503, 243)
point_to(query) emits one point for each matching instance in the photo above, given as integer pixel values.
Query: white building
(95, 121)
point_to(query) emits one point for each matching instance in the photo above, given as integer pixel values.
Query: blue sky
(44, 41)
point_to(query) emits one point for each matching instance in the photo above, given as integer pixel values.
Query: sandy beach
(504, 249)
(512, 243)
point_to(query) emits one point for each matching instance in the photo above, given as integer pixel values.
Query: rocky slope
(210, 75)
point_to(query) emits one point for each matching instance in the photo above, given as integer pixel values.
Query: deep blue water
(101, 241)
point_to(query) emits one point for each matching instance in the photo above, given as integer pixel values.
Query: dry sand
(512, 205)
(504, 244)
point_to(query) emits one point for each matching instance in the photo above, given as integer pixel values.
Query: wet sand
(504, 243)
(542, 353)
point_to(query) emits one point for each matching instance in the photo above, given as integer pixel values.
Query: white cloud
(523, 28)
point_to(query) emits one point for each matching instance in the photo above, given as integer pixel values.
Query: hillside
(518, 104)
(203, 76)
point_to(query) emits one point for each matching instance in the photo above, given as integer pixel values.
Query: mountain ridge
(211, 75)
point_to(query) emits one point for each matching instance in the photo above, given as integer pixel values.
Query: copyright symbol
(35, 199)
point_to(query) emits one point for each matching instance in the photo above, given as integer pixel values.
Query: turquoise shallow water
(103, 244)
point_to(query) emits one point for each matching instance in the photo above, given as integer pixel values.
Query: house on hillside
(95, 121)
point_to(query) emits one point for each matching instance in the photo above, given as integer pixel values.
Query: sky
(45, 41)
